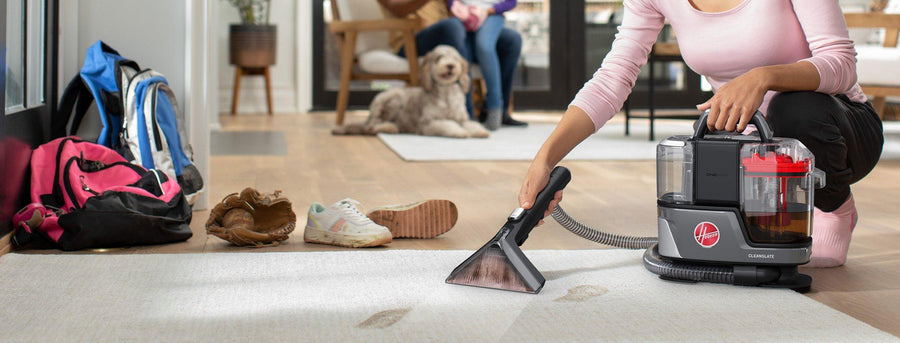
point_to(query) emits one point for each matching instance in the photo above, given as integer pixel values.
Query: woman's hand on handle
(734, 104)
(574, 127)
(537, 178)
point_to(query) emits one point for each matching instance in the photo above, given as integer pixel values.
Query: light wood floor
(5, 245)
(617, 196)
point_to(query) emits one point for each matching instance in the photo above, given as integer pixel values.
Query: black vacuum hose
(652, 260)
(605, 238)
(682, 271)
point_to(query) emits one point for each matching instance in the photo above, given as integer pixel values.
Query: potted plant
(252, 42)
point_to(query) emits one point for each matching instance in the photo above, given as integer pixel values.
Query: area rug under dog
(521, 144)
(397, 296)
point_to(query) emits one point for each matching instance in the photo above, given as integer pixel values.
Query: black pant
(846, 138)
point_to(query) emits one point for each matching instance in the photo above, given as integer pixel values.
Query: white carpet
(398, 296)
(520, 144)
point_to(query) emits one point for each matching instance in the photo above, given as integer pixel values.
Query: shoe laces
(350, 208)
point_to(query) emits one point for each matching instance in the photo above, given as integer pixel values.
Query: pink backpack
(85, 195)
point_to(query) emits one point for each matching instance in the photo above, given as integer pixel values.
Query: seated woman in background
(439, 27)
(484, 21)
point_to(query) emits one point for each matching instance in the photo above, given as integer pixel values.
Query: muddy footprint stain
(583, 292)
(384, 319)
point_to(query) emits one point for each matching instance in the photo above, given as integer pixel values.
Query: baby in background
(473, 12)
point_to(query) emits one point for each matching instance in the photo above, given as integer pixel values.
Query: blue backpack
(139, 115)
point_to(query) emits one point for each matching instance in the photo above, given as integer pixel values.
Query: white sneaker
(343, 224)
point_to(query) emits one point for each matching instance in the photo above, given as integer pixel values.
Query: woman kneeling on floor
(791, 60)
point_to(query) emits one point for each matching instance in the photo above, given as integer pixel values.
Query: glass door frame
(30, 127)
(639, 98)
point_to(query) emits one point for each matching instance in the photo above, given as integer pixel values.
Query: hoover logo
(706, 234)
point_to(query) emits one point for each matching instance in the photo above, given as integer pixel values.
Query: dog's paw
(457, 134)
(339, 131)
(389, 128)
(475, 129)
(480, 134)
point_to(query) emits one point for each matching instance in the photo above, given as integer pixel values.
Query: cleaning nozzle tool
(500, 263)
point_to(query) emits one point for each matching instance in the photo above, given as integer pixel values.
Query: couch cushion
(877, 65)
(386, 62)
(382, 62)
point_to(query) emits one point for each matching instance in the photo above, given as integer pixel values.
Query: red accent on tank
(774, 163)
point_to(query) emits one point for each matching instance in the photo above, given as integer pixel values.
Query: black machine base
(759, 276)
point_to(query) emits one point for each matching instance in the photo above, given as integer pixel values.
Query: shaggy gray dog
(437, 108)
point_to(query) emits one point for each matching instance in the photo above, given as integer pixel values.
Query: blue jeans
(451, 32)
(483, 46)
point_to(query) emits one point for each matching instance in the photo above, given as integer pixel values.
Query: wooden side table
(661, 52)
(242, 71)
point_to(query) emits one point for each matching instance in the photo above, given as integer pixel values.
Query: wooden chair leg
(479, 95)
(347, 56)
(879, 103)
(409, 40)
(238, 71)
(268, 90)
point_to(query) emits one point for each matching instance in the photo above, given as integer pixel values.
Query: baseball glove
(252, 218)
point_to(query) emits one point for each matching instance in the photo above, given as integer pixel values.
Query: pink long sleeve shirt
(721, 46)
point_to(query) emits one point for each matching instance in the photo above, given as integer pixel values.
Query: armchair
(362, 35)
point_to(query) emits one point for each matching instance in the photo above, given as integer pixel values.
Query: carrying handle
(765, 132)
(521, 221)
(818, 178)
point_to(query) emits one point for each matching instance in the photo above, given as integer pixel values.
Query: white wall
(287, 87)
(149, 32)
(200, 77)
(304, 55)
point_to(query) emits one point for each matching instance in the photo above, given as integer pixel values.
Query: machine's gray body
(677, 241)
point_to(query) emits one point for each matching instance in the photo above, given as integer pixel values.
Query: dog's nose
(450, 67)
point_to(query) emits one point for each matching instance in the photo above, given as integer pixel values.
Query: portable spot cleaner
(732, 208)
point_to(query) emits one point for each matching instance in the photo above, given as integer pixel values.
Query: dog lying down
(437, 108)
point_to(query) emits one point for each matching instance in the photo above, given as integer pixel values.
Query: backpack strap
(124, 63)
(55, 198)
(76, 92)
(112, 103)
(78, 97)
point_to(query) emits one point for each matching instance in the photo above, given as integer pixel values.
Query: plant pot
(252, 46)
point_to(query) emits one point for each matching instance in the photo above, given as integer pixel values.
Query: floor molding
(5, 244)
